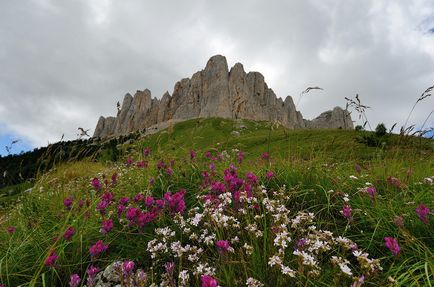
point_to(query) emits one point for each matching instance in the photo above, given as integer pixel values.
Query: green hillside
(243, 199)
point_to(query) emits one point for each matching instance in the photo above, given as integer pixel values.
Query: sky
(65, 63)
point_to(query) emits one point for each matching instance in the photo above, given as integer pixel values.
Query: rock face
(213, 92)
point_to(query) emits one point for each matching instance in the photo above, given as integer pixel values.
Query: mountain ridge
(214, 91)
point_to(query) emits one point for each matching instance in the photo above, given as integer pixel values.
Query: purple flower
(139, 197)
(11, 229)
(240, 156)
(423, 212)
(269, 175)
(251, 177)
(67, 202)
(371, 191)
(128, 267)
(392, 245)
(208, 281)
(69, 233)
(149, 201)
(74, 281)
(176, 201)
(51, 259)
(346, 211)
(208, 154)
(141, 164)
(146, 151)
(169, 171)
(101, 206)
(192, 154)
(124, 200)
(218, 187)
(107, 196)
(114, 179)
(265, 155)
(161, 165)
(92, 271)
(96, 184)
(107, 225)
(222, 245)
(98, 248)
(130, 161)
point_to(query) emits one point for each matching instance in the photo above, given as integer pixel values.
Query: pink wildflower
(240, 156)
(392, 245)
(146, 151)
(208, 281)
(114, 179)
(149, 201)
(423, 213)
(107, 225)
(222, 245)
(11, 229)
(192, 154)
(141, 164)
(265, 155)
(92, 271)
(51, 259)
(371, 192)
(98, 248)
(69, 233)
(96, 184)
(208, 154)
(74, 280)
(130, 161)
(346, 211)
(67, 202)
(269, 175)
(128, 267)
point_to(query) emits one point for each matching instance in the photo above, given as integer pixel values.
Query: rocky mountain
(215, 91)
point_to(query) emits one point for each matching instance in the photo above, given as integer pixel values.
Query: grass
(314, 165)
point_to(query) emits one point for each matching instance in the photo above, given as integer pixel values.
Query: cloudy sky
(65, 63)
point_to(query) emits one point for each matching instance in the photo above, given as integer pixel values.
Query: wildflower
(265, 155)
(169, 171)
(151, 181)
(129, 161)
(358, 168)
(394, 181)
(251, 177)
(398, 221)
(124, 200)
(92, 271)
(146, 151)
(98, 248)
(240, 156)
(141, 164)
(208, 154)
(107, 225)
(346, 211)
(96, 184)
(128, 267)
(423, 212)
(176, 201)
(74, 280)
(358, 282)
(218, 187)
(114, 179)
(69, 233)
(252, 282)
(161, 165)
(269, 175)
(67, 202)
(149, 201)
(139, 197)
(192, 154)
(11, 229)
(371, 191)
(51, 259)
(222, 245)
(208, 281)
(101, 206)
(392, 245)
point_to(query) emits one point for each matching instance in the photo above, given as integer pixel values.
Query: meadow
(197, 205)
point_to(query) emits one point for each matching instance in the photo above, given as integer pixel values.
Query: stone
(215, 91)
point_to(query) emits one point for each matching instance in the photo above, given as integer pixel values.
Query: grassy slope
(309, 163)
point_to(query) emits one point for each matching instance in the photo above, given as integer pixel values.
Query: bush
(380, 130)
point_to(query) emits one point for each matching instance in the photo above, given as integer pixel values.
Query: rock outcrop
(213, 92)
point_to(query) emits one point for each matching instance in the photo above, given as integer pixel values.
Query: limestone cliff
(213, 92)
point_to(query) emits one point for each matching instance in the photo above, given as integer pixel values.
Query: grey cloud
(65, 63)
